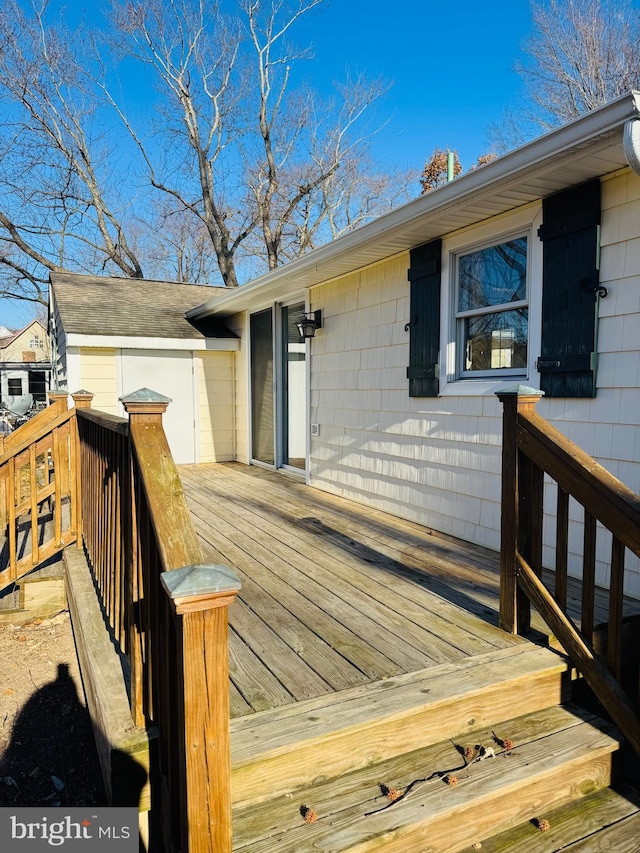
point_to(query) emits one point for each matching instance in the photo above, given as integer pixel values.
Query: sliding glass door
(294, 388)
(278, 410)
(262, 408)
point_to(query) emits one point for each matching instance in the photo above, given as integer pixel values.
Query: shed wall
(216, 385)
(98, 374)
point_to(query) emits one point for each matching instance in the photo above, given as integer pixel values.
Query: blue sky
(451, 67)
(450, 70)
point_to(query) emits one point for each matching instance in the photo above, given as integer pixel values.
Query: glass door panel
(294, 388)
(262, 408)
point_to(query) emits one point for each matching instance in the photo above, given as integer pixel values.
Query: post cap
(519, 391)
(144, 395)
(198, 587)
(82, 399)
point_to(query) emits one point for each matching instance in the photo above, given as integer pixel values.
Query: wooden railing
(111, 485)
(38, 490)
(532, 447)
(168, 613)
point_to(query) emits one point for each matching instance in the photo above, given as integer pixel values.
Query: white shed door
(170, 374)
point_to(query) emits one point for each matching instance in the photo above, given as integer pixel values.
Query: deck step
(287, 748)
(559, 754)
(605, 822)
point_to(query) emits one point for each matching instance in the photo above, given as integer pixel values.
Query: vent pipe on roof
(631, 143)
(450, 166)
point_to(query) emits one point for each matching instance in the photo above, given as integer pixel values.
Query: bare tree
(56, 201)
(181, 248)
(581, 54)
(216, 164)
(255, 161)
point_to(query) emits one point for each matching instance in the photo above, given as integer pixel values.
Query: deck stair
(333, 754)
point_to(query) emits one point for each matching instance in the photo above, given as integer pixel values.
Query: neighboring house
(25, 363)
(113, 336)
(524, 271)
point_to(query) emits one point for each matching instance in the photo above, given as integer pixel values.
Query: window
(14, 387)
(38, 385)
(36, 343)
(492, 310)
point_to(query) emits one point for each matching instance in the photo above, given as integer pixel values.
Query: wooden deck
(334, 594)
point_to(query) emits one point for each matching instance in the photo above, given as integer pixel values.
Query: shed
(113, 336)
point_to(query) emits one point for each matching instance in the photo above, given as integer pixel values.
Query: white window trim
(524, 221)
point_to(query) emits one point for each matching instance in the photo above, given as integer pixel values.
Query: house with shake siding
(525, 271)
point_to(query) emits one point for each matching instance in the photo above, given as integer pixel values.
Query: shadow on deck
(336, 594)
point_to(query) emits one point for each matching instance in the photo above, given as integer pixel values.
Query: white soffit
(589, 147)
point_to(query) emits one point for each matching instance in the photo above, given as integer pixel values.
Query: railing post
(4, 513)
(143, 407)
(81, 400)
(200, 596)
(59, 400)
(512, 606)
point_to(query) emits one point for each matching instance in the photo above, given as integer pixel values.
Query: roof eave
(582, 132)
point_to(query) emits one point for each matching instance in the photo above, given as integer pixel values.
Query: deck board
(336, 594)
(363, 603)
(330, 600)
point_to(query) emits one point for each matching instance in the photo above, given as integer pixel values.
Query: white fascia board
(531, 158)
(131, 342)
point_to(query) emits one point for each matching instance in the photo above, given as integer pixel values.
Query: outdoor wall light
(309, 323)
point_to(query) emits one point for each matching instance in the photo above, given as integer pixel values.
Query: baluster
(33, 488)
(530, 515)
(136, 602)
(81, 400)
(588, 576)
(562, 547)
(11, 507)
(616, 596)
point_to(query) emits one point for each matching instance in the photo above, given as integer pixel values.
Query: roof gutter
(622, 112)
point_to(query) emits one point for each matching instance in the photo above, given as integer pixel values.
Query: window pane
(495, 341)
(493, 276)
(294, 396)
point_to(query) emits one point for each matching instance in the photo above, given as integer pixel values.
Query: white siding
(240, 325)
(216, 384)
(437, 461)
(98, 375)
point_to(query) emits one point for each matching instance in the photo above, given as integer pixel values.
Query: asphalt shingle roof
(94, 305)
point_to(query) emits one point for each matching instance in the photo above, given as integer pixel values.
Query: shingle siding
(437, 461)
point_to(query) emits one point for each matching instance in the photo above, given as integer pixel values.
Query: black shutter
(570, 281)
(424, 327)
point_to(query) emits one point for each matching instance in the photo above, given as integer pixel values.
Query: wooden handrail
(165, 496)
(34, 430)
(603, 495)
(140, 538)
(601, 681)
(532, 447)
